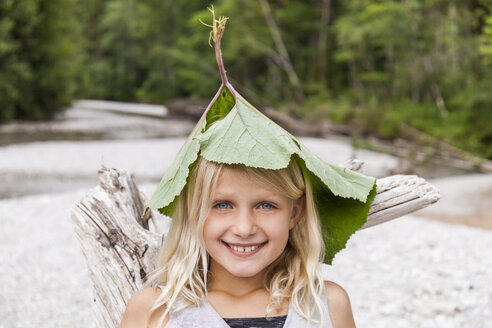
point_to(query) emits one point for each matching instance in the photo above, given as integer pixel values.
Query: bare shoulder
(137, 312)
(339, 306)
(336, 293)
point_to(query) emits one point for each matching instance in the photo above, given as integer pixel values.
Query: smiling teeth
(244, 249)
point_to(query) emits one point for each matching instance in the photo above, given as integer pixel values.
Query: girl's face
(248, 225)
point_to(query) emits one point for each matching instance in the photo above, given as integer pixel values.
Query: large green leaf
(246, 137)
(175, 177)
(340, 217)
(237, 133)
(221, 107)
(340, 181)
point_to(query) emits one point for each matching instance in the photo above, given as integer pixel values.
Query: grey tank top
(205, 315)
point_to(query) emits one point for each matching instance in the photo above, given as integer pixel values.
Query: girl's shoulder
(339, 306)
(137, 312)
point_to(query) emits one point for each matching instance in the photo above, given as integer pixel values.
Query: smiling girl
(252, 220)
(243, 250)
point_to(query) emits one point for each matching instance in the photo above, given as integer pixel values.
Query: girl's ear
(298, 210)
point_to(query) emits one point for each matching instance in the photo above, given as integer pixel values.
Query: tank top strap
(295, 320)
(203, 315)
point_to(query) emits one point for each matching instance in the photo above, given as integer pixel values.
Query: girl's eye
(266, 206)
(222, 205)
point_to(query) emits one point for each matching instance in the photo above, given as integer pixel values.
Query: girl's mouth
(244, 250)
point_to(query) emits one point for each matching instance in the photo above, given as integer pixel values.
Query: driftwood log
(121, 250)
(116, 242)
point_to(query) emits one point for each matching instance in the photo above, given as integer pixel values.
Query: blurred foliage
(372, 64)
(40, 55)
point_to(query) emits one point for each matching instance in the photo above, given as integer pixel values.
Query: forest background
(375, 65)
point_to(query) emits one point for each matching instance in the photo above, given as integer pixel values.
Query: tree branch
(282, 50)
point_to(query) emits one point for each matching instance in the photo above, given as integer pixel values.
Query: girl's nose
(244, 224)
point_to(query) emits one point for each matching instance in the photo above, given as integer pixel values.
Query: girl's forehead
(233, 179)
(236, 175)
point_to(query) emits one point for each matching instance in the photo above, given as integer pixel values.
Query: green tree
(39, 55)
(375, 64)
(486, 44)
(10, 67)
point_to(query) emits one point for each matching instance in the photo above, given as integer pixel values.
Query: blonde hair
(183, 261)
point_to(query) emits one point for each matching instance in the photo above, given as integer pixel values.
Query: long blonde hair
(183, 261)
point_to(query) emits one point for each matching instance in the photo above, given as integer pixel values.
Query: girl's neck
(239, 297)
(220, 280)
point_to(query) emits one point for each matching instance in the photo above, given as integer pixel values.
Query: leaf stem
(218, 57)
(218, 27)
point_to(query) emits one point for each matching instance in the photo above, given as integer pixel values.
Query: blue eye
(266, 206)
(222, 205)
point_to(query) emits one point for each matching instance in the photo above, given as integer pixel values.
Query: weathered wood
(149, 110)
(120, 250)
(186, 107)
(398, 195)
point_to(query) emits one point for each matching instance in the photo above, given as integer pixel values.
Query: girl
(245, 243)
(244, 250)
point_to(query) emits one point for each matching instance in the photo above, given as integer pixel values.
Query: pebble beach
(409, 272)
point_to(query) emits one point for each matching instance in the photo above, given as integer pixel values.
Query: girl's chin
(245, 274)
(246, 270)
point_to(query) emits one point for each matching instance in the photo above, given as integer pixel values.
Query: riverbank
(409, 272)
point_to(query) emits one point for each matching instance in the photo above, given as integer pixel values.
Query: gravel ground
(43, 277)
(417, 273)
(406, 273)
